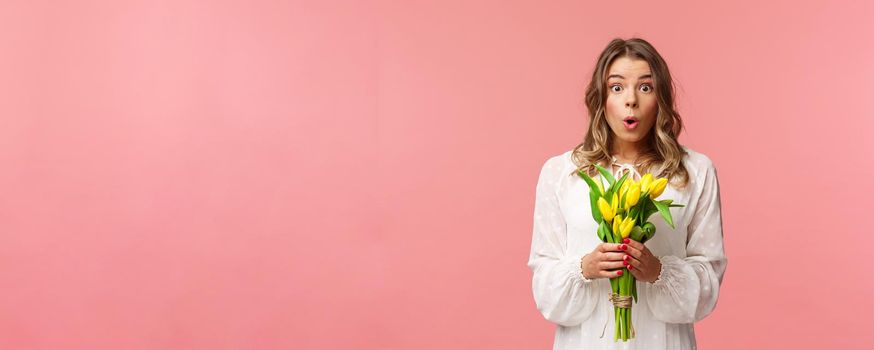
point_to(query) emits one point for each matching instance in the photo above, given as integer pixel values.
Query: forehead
(628, 68)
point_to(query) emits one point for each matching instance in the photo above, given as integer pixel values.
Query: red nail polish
(630, 267)
(626, 240)
(625, 258)
(623, 247)
(619, 272)
(625, 263)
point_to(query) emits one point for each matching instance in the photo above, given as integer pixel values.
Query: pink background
(326, 175)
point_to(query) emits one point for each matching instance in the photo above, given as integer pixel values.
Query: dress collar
(625, 166)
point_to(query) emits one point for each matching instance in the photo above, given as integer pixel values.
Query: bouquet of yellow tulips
(621, 211)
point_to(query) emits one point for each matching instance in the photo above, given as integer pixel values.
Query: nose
(631, 100)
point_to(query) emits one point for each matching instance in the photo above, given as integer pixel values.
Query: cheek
(650, 107)
(650, 102)
(614, 107)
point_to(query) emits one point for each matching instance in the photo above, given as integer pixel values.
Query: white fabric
(623, 168)
(692, 257)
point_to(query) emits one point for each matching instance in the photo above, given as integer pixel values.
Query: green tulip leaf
(652, 209)
(665, 211)
(634, 210)
(602, 231)
(593, 187)
(611, 236)
(621, 180)
(614, 188)
(646, 209)
(606, 174)
(593, 202)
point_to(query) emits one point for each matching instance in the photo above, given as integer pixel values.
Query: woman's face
(631, 99)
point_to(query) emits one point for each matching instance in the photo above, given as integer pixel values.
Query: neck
(627, 152)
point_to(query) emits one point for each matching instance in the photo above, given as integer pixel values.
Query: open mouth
(630, 122)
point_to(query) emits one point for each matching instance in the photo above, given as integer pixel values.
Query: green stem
(621, 318)
(616, 333)
(627, 312)
(622, 315)
(621, 310)
(625, 326)
(614, 286)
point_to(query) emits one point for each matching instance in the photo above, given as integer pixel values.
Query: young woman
(633, 127)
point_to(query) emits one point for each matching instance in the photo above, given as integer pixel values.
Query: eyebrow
(621, 77)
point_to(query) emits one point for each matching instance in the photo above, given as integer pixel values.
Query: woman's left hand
(644, 266)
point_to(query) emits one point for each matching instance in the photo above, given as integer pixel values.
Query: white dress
(692, 257)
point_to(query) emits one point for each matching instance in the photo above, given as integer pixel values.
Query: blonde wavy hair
(664, 152)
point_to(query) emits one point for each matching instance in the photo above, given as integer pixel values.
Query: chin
(632, 138)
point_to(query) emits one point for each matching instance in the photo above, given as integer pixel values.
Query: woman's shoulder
(555, 165)
(697, 162)
(559, 161)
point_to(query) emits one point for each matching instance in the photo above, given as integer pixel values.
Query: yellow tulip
(625, 227)
(645, 183)
(604, 208)
(624, 187)
(615, 203)
(617, 223)
(622, 192)
(657, 187)
(632, 197)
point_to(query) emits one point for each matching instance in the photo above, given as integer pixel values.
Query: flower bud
(657, 187)
(645, 183)
(606, 210)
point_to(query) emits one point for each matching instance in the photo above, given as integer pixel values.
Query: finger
(633, 263)
(634, 252)
(611, 265)
(609, 269)
(636, 245)
(613, 256)
(609, 247)
(613, 273)
(604, 248)
(633, 243)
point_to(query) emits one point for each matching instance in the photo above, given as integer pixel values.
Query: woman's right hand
(606, 261)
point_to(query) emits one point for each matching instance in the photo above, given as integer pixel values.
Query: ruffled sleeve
(687, 288)
(561, 293)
